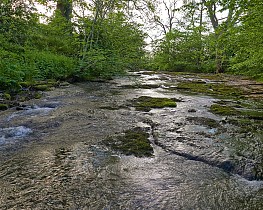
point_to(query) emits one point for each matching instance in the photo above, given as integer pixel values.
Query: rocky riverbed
(149, 140)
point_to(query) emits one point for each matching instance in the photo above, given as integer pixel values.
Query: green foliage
(184, 51)
(49, 65)
(100, 63)
(16, 17)
(234, 48)
(116, 45)
(10, 70)
(48, 38)
(105, 42)
(28, 65)
(32, 51)
(124, 39)
(247, 44)
(56, 37)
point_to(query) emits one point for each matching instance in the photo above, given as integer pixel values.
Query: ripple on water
(7, 135)
(62, 173)
(32, 111)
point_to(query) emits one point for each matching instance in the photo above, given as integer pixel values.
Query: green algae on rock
(252, 114)
(132, 142)
(209, 88)
(223, 110)
(145, 103)
(4, 107)
(231, 111)
(7, 96)
(42, 87)
(28, 90)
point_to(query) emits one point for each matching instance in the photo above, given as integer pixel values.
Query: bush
(100, 63)
(10, 70)
(49, 65)
(33, 65)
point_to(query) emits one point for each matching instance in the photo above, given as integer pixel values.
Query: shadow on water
(67, 166)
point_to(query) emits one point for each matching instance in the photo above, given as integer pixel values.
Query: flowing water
(52, 155)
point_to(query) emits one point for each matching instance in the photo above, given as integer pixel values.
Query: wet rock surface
(86, 146)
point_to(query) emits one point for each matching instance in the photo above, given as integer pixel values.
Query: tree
(16, 17)
(246, 41)
(215, 9)
(204, 17)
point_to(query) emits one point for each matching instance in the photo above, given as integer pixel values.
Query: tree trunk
(211, 8)
(65, 7)
(219, 63)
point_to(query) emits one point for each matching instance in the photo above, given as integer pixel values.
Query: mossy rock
(53, 83)
(37, 95)
(4, 107)
(252, 114)
(133, 142)
(26, 84)
(64, 84)
(212, 89)
(145, 103)
(231, 111)
(215, 77)
(175, 73)
(7, 96)
(42, 87)
(39, 85)
(22, 98)
(223, 110)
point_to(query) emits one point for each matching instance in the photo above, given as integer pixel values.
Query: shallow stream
(53, 157)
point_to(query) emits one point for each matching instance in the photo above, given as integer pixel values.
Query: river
(53, 157)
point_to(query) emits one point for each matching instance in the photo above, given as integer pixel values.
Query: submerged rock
(191, 110)
(145, 103)
(133, 142)
(208, 122)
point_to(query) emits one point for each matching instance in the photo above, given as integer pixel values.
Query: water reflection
(70, 169)
(84, 177)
